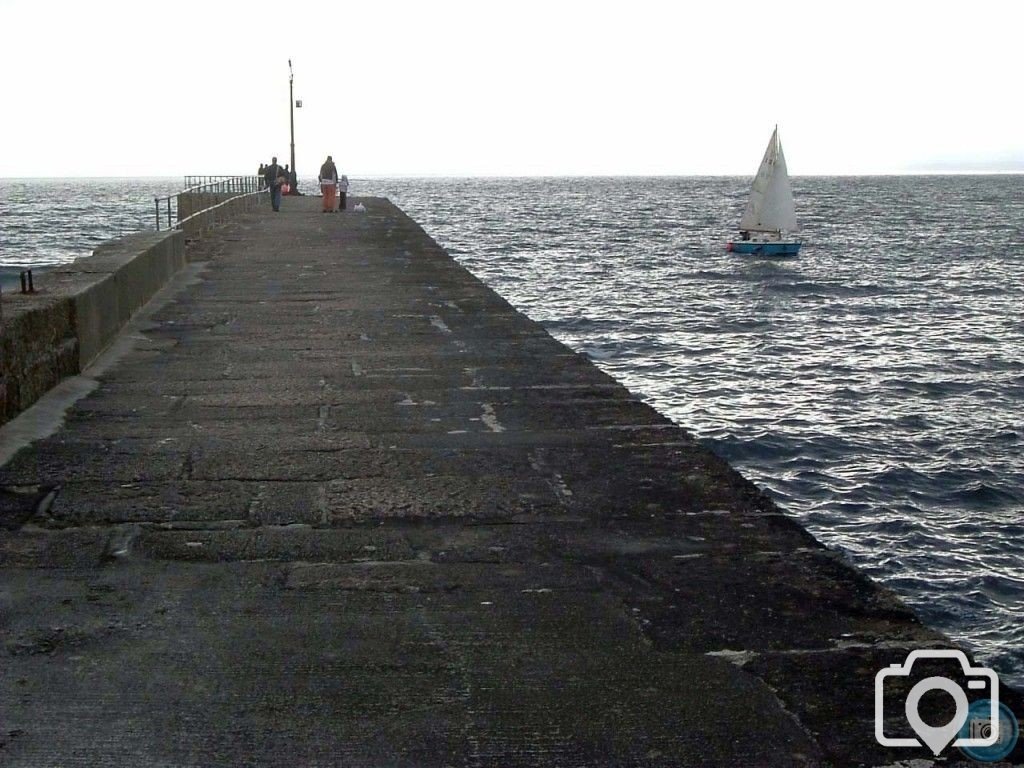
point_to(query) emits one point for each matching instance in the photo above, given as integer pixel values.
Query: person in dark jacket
(274, 174)
(328, 183)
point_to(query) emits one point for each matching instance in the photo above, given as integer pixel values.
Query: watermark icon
(980, 726)
(958, 731)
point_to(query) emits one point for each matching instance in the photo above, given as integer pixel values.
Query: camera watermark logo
(979, 725)
(937, 738)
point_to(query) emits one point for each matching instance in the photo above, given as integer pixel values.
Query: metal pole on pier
(291, 115)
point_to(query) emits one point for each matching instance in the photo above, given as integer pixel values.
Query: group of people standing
(282, 180)
(332, 184)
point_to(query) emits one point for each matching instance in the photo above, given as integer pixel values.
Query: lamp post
(291, 116)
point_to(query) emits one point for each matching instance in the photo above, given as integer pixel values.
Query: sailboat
(768, 225)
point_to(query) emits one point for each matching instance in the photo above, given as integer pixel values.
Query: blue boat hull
(753, 248)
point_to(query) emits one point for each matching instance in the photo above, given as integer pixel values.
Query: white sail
(770, 208)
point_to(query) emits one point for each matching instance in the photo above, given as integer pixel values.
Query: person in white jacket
(342, 191)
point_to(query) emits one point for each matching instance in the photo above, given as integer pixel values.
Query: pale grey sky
(511, 88)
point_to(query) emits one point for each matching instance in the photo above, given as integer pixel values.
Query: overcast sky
(511, 88)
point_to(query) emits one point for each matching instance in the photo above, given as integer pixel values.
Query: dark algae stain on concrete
(348, 507)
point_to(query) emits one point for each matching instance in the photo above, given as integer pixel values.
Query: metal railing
(220, 190)
(196, 181)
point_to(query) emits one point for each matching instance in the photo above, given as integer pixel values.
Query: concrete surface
(114, 283)
(345, 507)
(47, 415)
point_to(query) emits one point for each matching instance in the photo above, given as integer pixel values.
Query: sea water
(873, 386)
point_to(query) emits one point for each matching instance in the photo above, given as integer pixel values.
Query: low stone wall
(190, 202)
(77, 311)
(233, 203)
(38, 348)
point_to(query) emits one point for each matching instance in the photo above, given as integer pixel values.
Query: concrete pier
(340, 504)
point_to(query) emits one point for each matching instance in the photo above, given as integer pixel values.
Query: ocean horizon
(311, 180)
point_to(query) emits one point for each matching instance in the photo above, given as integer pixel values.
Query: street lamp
(293, 188)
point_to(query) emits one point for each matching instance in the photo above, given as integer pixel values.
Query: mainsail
(771, 208)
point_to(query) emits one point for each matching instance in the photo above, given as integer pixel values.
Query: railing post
(156, 201)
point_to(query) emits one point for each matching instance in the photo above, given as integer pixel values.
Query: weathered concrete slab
(347, 507)
(50, 335)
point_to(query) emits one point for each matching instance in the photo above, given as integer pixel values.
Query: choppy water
(46, 222)
(874, 385)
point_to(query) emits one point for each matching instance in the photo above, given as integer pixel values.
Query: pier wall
(76, 312)
(229, 205)
(38, 348)
(78, 309)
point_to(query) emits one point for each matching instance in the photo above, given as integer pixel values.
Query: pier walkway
(340, 504)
